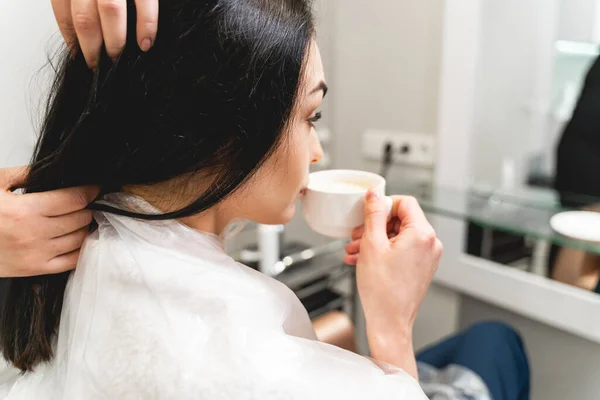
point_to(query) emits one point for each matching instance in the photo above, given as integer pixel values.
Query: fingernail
(373, 194)
(146, 44)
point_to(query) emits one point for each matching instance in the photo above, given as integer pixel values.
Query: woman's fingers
(358, 232)
(409, 212)
(113, 17)
(147, 23)
(393, 225)
(351, 259)
(86, 21)
(63, 263)
(353, 247)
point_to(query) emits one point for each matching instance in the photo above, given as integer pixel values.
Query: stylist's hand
(90, 22)
(395, 263)
(41, 233)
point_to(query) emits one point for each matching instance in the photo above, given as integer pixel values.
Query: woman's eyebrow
(321, 86)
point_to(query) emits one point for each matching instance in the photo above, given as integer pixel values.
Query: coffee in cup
(334, 201)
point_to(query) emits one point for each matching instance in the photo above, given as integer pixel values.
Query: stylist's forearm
(394, 347)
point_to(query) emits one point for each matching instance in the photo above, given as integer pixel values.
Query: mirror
(537, 134)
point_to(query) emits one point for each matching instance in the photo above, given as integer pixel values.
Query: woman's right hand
(395, 263)
(92, 22)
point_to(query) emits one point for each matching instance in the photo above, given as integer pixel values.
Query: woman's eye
(316, 118)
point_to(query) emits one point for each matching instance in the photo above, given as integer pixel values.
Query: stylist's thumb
(12, 178)
(375, 218)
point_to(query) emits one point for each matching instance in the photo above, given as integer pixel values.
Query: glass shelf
(524, 212)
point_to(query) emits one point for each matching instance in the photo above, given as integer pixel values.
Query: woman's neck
(210, 221)
(213, 220)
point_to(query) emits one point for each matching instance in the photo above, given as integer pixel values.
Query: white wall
(385, 74)
(26, 29)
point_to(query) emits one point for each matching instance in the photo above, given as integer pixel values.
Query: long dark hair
(213, 95)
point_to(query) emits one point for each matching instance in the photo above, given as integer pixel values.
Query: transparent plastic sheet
(454, 382)
(156, 310)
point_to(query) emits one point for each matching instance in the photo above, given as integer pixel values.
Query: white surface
(581, 225)
(421, 147)
(462, 26)
(555, 304)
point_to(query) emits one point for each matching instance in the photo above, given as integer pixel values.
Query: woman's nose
(316, 150)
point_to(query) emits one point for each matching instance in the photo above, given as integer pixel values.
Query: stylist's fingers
(113, 16)
(68, 243)
(65, 224)
(11, 178)
(86, 21)
(63, 263)
(62, 13)
(63, 201)
(147, 23)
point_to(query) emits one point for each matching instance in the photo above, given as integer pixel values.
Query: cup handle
(389, 202)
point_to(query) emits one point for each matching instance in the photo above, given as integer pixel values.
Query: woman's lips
(303, 192)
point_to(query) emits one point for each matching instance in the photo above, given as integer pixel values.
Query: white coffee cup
(334, 201)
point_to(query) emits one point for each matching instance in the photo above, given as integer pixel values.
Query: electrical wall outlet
(414, 149)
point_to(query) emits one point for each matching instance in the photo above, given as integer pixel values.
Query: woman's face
(270, 196)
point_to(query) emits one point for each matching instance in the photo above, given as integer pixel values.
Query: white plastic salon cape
(156, 310)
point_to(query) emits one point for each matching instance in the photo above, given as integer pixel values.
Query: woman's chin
(288, 214)
(280, 218)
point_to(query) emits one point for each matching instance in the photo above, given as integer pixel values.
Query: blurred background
(492, 111)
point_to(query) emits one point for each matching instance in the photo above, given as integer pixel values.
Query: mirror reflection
(537, 143)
